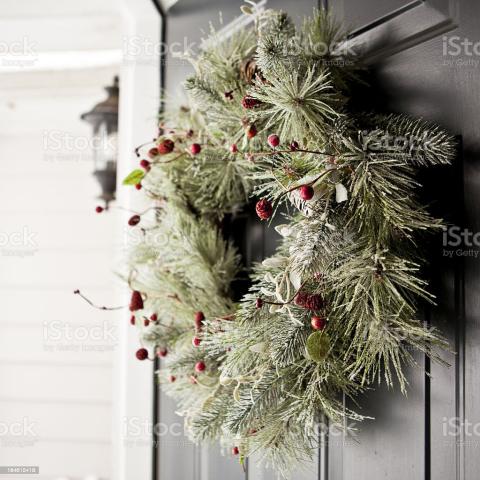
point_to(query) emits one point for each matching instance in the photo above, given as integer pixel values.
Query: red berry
(172, 378)
(153, 317)
(146, 322)
(132, 320)
(134, 220)
(259, 303)
(200, 366)
(199, 318)
(318, 323)
(142, 354)
(306, 192)
(138, 186)
(136, 301)
(251, 131)
(234, 148)
(99, 209)
(294, 146)
(235, 451)
(195, 148)
(153, 152)
(249, 102)
(145, 164)
(166, 146)
(196, 341)
(162, 352)
(264, 209)
(273, 140)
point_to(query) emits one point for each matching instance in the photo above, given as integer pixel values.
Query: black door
(425, 61)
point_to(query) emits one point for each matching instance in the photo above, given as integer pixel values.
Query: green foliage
(298, 105)
(349, 254)
(134, 177)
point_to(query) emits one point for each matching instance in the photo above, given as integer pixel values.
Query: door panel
(415, 71)
(396, 29)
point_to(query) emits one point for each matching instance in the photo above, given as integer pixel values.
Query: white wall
(50, 372)
(56, 353)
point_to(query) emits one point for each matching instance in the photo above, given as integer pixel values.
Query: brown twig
(77, 292)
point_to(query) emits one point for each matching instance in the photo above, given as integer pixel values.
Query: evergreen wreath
(334, 310)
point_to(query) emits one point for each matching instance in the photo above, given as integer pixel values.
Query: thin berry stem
(77, 292)
(157, 322)
(124, 209)
(175, 130)
(301, 150)
(290, 300)
(180, 155)
(315, 180)
(137, 149)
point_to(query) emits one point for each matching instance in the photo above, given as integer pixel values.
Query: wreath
(333, 311)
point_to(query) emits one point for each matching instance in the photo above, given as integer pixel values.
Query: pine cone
(309, 301)
(249, 71)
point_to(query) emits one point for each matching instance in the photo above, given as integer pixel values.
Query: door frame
(135, 388)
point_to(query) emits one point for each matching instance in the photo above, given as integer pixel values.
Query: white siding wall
(56, 353)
